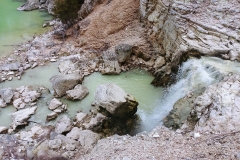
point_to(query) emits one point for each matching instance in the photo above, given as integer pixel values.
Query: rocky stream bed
(157, 36)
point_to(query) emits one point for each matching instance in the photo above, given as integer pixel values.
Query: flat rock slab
(20, 117)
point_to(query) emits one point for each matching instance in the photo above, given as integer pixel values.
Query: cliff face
(179, 28)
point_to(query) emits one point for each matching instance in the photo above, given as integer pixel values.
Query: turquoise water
(18, 26)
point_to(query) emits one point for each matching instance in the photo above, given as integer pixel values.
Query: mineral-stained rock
(20, 117)
(62, 83)
(115, 100)
(78, 93)
(63, 125)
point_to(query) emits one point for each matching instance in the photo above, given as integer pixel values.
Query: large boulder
(78, 93)
(62, 83)
(20, 117)
(115, 101)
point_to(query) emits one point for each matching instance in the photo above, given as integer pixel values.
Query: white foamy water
(193, 75)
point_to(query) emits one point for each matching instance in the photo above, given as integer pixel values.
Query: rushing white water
(193, 75)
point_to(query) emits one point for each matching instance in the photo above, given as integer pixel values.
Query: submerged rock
(115, 100)
(62, 83)
(78, 93)
(20, 117)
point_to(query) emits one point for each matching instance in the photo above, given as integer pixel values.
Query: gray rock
(55, 143)
(62, 83)
(51, 116)
(124, 52)
(2, 103)
(10, 67)
(6, 94)
(74, 133)
(218, 107)
(20, 117)
(78, 93)
(159, 62)
(79, 118)
(55, 103)
(111, 67)
(88, 139)
(115, 100)
(63, 125)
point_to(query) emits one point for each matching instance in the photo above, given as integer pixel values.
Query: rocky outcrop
(178, 29)
(78, 93)
(115, 101)
(181, 111)
(20, 117)
(218, 107)
(62, 83)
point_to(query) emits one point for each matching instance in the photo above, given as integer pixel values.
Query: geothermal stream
(154, 103)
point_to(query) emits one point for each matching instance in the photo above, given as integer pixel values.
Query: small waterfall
(193, 75)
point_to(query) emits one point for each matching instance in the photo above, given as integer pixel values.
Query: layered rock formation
(178, 29)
